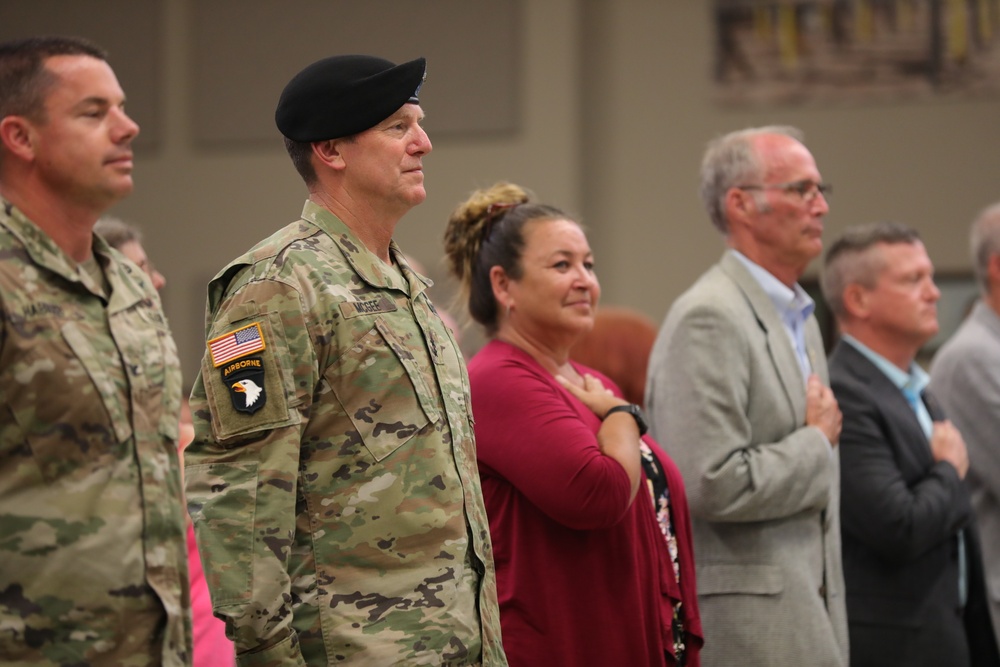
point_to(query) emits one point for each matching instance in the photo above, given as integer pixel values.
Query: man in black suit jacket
(912, 566)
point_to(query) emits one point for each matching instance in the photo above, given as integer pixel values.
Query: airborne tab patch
(236, 344)
(245, 379)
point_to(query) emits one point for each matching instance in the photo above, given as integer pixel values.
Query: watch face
(640, 419)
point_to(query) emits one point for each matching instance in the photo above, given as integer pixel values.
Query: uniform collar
(364, 262)
(46, 254)
(40, 247)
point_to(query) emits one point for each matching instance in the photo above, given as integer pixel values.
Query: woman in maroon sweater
(588, 517)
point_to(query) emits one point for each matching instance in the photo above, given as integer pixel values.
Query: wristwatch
(636, 412)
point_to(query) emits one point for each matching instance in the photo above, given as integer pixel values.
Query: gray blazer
(726, 399)
(965, 379)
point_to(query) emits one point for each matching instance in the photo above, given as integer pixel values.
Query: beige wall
(200, 209)
(615, 110)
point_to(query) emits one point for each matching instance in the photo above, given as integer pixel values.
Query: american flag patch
(236, 344)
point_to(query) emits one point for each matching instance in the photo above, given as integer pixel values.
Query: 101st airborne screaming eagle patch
(241, 372)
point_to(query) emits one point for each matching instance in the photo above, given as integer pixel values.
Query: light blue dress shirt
(794, 306)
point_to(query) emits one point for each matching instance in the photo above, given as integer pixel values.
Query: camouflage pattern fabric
(341, 520)
(93, 565)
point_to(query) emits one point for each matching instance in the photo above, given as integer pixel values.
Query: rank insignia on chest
(245, 379)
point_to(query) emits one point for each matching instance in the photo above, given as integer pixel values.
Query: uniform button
(822, 591)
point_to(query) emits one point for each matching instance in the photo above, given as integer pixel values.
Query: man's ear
(17, 137)
(329, 152)
(739, 206)
(857, 303)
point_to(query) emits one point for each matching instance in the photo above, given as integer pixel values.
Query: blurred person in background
(211, 646)
(127, 239)
(965, 377)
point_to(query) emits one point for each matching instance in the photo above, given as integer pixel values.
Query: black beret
(343, 95)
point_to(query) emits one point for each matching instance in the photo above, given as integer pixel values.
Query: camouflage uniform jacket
(333, 478)
(93, 565)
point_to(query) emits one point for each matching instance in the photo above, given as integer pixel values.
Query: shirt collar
(792, 302)
(915, 381)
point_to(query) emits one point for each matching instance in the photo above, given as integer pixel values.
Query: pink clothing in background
(211, 646)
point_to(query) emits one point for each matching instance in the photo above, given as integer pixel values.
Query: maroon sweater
(584, 577)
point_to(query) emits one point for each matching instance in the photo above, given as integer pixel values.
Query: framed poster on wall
(821, 52)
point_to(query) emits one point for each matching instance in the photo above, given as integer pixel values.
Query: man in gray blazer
(965, 378)
(738, 395)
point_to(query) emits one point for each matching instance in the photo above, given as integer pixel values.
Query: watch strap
(635, 411)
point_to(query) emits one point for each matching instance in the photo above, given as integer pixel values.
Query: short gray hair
(732, 160)
(117, 232)
(984, 242)
(849, 260)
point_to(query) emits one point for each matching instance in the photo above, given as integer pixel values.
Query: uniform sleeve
(705, 377)
(896, 516)
(242, 468)
(529, 434)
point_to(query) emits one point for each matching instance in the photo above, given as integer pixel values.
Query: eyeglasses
(806, 189)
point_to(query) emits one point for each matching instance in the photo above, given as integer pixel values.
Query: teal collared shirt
(912, 384)
(793, 305)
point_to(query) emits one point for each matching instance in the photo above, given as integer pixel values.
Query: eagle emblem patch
(245, 379)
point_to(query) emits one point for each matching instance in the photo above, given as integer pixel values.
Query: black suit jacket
(900, 515)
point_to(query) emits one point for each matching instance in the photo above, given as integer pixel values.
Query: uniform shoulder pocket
(247, 372)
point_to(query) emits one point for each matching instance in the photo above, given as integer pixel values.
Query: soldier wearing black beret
(333, 479)
(343, 95)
